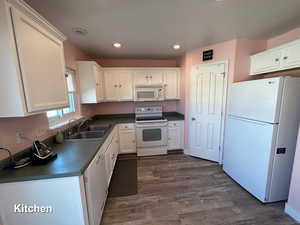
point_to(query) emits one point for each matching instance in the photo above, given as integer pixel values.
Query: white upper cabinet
(291, 56)
(265, 62)
(281, 58)
(155, 77)
(91, 82)
(118, 84)
(31, 62)
(172, 84)
(148, 77)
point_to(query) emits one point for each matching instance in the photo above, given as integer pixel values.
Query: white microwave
(149, 93)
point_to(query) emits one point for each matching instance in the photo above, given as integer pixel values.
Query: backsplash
(125, 107)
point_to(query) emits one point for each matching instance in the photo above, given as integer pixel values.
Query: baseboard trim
(175, 152)
(293, 213)
(127, 156)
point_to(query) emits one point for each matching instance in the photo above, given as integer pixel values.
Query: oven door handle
(151, 125)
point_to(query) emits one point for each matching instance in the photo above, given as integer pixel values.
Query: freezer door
(248, 154)
(258, 99)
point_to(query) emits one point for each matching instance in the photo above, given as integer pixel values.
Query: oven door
(151, 135)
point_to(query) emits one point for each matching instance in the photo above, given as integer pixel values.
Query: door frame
(224, 104)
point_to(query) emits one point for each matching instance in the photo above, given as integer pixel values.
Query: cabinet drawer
(174, 124)
(125, 126)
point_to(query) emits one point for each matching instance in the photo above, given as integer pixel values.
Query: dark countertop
(72, 160)
(74, 156)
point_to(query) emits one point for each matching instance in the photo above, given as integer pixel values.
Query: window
(59, 114)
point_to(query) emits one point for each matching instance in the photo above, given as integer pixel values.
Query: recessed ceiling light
(176, 47)
(117, 45)
(80, 31)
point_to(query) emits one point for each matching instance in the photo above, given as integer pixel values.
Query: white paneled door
(208, 94)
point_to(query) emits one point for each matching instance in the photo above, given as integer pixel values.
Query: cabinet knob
(115, 85)
(120, 86)
(285, 57)
(277, 60)
(193, 118)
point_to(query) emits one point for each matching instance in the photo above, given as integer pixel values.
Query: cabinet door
(156, 77)
(96, 188)
(114, 150)
(291, 56)
(108, 163)
(265, 62)
(41, 59)
(141, 77)
(174, 138)
(111, 86)
(125, 85)
(127, 141)
(99, 83)
(171, 83)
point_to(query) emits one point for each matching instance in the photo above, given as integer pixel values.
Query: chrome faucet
(83, 122)
(69, 131)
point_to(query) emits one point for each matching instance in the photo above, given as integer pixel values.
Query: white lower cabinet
(175, 135)
(96, 188)
(127, 138)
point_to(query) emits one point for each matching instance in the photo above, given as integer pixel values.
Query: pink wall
(244, 49)
(128, 107)
(284, 38)
(32, 125)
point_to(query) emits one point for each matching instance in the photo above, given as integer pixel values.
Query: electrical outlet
(21, 138)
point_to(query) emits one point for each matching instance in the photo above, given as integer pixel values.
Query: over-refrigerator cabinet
(261, 131)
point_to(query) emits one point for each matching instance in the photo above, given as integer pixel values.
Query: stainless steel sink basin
(99, 127)
(88, 135)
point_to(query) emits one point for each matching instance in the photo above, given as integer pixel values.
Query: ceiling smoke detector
(80, 31)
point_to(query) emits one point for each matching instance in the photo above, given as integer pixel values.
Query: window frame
(62, 117)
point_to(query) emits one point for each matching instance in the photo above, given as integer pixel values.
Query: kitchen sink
(88, 135)
(92, 132)
(99, 127)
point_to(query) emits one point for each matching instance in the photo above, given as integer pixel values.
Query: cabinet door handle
(115, 85)
(277, 60)
(285, 57)
(120, 86)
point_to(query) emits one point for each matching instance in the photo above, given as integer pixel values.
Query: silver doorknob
(193, 118)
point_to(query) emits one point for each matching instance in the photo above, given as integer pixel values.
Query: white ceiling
(150, 28)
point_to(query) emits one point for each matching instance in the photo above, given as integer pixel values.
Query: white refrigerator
(260, 135)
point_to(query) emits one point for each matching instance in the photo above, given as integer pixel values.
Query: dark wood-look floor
(182, 190)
